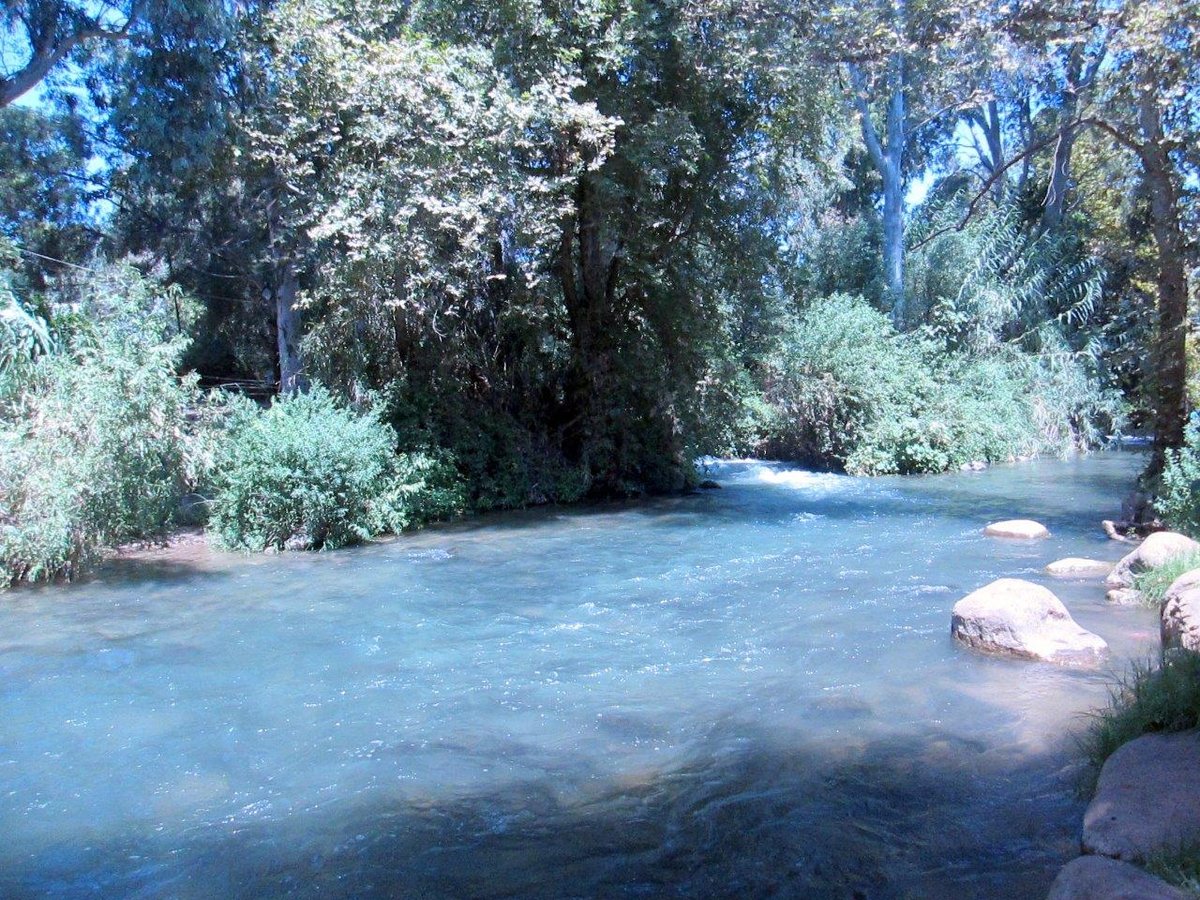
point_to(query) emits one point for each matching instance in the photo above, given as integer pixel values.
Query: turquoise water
(747, 692)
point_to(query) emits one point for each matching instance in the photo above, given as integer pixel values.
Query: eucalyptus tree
(1141, 65)
(38, 35)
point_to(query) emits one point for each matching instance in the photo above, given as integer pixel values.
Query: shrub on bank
(844, 390)
(310, 473)
(1178, 499)
(93, 448)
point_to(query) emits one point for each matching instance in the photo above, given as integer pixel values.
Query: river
(746, 692)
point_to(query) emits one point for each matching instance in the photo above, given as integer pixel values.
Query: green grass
(1152, 697)
(1180, 868)
(1153, 583)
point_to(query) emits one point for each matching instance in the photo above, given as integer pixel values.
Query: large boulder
(1181, 612)
(1017, 528)
(1018, 618)
(1156, 550)
(1077, 567)
(1100, 878)
(1147, 800)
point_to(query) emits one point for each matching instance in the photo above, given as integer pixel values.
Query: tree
(40, 34)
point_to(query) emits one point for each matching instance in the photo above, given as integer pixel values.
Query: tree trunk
(1060, 171)
(287, 329)
(589, 275)
(888, 156)
(284, 284)
(893, 194)
(1170, 351)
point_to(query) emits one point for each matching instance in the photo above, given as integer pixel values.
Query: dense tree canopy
(574, 244)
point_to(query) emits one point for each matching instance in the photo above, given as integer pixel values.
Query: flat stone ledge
(1147, 799)
(1100, 878)
(1078, 567)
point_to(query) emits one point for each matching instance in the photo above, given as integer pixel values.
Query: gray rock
(1100, 878)
(709, 485)
(1181, 613)
(1156, 550)
(1147, 800)
(1017, 618)
(1017, 528)
(1078, 567)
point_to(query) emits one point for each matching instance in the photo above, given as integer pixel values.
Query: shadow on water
(746, 693)
(750, 816)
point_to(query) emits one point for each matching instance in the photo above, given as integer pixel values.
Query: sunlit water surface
(748, 692)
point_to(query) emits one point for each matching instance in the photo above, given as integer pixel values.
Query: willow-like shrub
(311, 473)
(92, 454)
(844, 390)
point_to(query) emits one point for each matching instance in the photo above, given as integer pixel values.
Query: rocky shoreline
(1147, 799)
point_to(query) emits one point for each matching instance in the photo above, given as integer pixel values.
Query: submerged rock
(1181, 613)
(1156, 550)
(1147, 798)
(1018, 618)
(975, 465)
(1100, 878)
(1078, 567)
(709, 485)
(1017, 528)
(1125, 597)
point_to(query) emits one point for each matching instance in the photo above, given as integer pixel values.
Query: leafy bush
(310, 473)
(92, 449)
(845, 390)
(839, 372)
(1178, 499)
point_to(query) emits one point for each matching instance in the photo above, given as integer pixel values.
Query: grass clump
(1153, 583)
(1179, 867)
(1162, 697)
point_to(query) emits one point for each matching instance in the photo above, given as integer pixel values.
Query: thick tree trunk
(1170, 356)
(589, 277)
(1060, 175)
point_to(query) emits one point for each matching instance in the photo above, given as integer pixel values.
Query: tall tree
(37, 35)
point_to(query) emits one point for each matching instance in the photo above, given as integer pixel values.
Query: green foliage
(1178, 500)
(92, 447)
(845, 390)
(1150, 698)
(311, 473)
(1153, 583)
(1180, 867)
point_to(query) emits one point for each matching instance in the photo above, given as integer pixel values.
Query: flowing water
(747, 692)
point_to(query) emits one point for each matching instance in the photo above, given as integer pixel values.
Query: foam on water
(746, 692)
